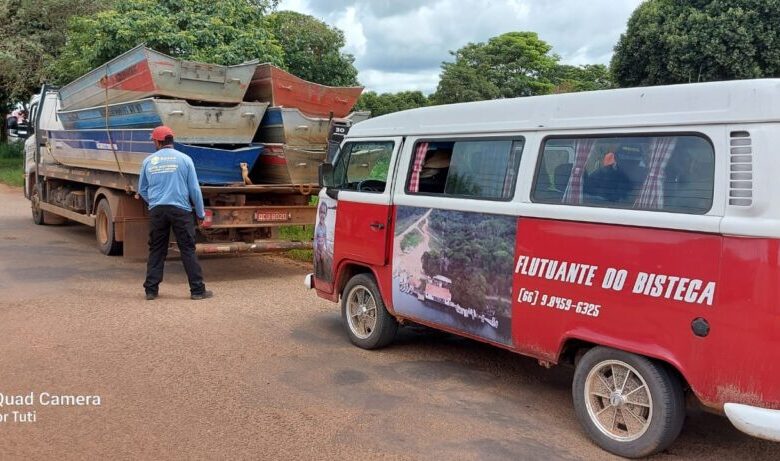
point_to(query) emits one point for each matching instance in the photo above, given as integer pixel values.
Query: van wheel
(104, 230)
(628, 404)
(368, 323)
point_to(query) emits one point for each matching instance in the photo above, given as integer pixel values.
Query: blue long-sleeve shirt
(168, 178)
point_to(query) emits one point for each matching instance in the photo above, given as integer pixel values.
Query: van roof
(737, 101)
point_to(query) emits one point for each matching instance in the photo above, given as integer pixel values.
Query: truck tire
(104, 230)
(368, 324)
(628, 405)
(39, 216)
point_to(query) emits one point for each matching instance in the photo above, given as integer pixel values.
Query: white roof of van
(737, 101)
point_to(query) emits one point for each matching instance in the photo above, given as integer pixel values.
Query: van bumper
(309, 281)
(758, 422)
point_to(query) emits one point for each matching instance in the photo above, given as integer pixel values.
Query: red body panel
(358, 233)
(735, 362)
(733, 283)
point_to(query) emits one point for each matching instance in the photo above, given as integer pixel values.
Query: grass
(12, 164)
(299, 233)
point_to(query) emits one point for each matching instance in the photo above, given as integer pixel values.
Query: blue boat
(125, 150)
(235, 124)
(135, 114)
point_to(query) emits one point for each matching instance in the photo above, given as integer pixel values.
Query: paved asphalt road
(261, 371)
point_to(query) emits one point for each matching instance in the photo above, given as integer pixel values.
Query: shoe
(151, 296)
(204, 295)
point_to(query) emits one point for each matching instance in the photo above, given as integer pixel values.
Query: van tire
(104, 230)
(614, 374)
(368, 324)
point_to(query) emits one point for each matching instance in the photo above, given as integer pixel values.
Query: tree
(312, 49)
(510, 65)
(33, 33)
(671, 41)
(225, 32)
(589, 77)
(385, 103)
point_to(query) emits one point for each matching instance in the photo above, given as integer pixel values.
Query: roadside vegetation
(298, 233)
(12, 164)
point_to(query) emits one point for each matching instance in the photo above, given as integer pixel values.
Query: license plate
(266, 216)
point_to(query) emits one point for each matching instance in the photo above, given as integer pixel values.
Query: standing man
(169, 184)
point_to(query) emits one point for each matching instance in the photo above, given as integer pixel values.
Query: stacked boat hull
(125, 150)
(219, 114)
(296, 144)
(283, 89)
(192, 124)
(141, 73)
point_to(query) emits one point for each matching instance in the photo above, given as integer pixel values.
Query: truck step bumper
(758, 422)
(260, 246)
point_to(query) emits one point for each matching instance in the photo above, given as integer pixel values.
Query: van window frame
(513, 139)
(394, 149)
(543, 142)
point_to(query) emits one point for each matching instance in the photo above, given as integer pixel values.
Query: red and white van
(634, 233)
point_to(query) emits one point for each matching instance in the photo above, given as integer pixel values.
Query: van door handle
(377, 225)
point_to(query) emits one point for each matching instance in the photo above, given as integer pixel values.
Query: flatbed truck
(241, 218)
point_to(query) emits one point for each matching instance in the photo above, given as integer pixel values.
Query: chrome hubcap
(618, 400)
(361, 312)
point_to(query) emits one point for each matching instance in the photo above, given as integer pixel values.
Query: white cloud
(353, 32)
(400, 44)
(392, 82)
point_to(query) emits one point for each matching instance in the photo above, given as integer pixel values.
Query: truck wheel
(367, 322)
(104, 230)
(628, 404)
(39, 216)
(37, 213)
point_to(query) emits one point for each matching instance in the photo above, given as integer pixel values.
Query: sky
(399, 45)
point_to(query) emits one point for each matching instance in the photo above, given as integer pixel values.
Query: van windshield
(363, 166)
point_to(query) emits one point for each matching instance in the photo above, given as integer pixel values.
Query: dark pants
(165, 217)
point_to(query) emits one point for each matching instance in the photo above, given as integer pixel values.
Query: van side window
(658, 173)
(363, 166)
(484, 169)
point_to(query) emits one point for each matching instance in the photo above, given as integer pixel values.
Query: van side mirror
(326, 175)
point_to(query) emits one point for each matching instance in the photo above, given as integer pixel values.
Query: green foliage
(385, 103)
(509, 65)
(312, 49)
(411, 240)
(225, 32)
(590, 77)
(33, 33)
(476, 254)
(12, 164)
(299, 234)
(699, 40)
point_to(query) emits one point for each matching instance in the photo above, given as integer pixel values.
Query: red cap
(161, 132)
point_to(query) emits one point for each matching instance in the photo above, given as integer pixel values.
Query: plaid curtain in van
(419, 159)
(573, 193)
(652, 195)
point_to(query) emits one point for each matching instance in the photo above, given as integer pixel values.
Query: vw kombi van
(632, 233)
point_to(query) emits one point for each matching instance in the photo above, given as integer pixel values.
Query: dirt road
(261, 371)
